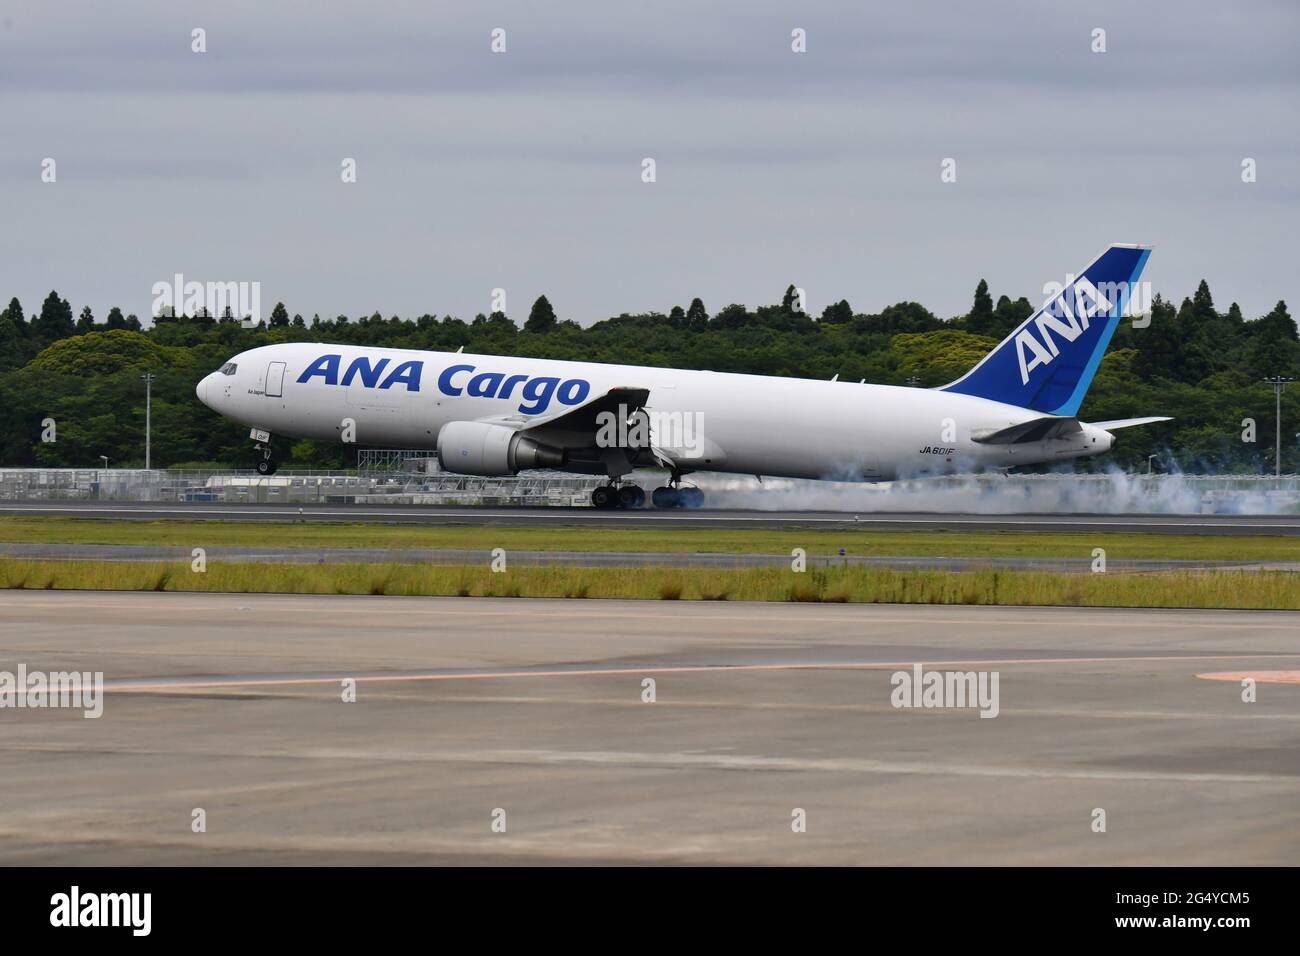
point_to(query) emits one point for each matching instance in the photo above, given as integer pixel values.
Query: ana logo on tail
(1047, 363)
(1066, 320)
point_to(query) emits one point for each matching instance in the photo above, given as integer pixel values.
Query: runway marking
(256, 680)
(1259, 677)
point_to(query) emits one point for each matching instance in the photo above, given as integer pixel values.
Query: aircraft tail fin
(1048, 362)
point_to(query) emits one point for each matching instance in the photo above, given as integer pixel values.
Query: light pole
(1278, 383)
(100, 483)
(148, 415)
(1149, 459)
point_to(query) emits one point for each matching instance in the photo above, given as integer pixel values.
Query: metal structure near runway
(287, 487)
(391, 482)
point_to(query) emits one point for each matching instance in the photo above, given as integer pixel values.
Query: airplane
(497, 415)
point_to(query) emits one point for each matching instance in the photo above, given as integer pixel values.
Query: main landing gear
(668, 497)
(609, 497)
(673, 495)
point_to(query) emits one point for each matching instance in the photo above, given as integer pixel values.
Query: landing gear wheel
(630, 496)
(265, 466)
(603, 497)
(666, 497)
(691, 497)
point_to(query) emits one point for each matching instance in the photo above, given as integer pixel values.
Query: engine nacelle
(477, 448)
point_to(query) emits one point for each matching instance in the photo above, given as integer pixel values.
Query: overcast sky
(522, 170)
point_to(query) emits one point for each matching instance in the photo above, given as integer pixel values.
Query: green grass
(816, 541)
(1215, 589)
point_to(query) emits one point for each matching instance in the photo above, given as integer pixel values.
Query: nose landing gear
(265, 463)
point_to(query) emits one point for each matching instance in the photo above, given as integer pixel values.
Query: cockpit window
(229, 368)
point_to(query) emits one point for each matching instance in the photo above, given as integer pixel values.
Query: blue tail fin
(1048, 363)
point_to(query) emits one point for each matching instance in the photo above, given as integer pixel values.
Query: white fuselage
(748, 424)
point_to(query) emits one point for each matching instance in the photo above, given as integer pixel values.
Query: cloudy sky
(522, 170)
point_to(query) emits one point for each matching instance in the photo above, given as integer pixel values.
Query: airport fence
(290, 487)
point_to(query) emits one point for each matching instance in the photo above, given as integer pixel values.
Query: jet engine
(479, 448)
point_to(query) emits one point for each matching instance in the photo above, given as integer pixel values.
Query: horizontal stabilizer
(1130, 422)
(1037, 429)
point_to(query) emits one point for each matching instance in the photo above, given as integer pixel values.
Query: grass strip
(1276, 590)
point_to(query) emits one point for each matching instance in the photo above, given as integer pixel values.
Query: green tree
(11, 344)
(980, 317)
(55, 321)
(102, 354)
(838, 313)
(697, 317)
(1159, 346)
(1273, 349)
(940, 357)
(279, 315)
(14, 314)
(789, 299)
(734, 316)
(541, 317)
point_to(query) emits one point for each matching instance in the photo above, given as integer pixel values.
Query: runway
(603, 559)
(532, 712)
(704, 518)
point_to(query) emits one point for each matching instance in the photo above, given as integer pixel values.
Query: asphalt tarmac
(531, 714)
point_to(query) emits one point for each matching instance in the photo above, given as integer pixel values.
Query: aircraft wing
(576, 426)
(576, 430)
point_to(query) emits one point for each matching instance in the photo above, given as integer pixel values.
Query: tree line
(1192, 361)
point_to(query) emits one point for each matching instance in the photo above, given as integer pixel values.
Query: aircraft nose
(201, 390)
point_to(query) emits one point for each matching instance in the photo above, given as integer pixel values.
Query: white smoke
(1114, 492)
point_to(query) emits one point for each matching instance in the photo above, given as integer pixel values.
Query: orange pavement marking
(1259, 677)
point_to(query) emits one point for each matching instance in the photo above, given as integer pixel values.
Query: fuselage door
(275, 380)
